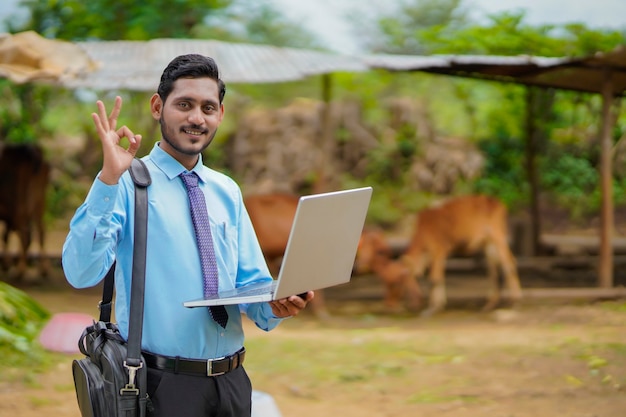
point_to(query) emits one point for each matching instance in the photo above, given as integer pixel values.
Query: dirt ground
(543, 359)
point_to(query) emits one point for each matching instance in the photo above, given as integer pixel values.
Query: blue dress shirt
(101, 232)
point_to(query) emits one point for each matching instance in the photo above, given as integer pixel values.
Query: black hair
(189, 66)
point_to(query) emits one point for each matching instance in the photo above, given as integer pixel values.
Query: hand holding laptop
(292, 305)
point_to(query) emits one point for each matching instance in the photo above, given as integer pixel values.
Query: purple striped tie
(202, 227)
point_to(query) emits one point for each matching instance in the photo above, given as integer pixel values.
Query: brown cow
(466, 224)
(24, 175)
(375, 255)
(272, 215)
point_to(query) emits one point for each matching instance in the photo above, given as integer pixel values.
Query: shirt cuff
(101, 197)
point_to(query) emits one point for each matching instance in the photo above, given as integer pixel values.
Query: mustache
(195, 128)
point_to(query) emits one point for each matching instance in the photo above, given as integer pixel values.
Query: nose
(196, 116)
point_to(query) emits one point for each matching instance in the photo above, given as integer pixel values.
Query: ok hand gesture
(117, 159)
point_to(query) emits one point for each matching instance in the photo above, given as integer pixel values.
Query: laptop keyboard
(257, 290)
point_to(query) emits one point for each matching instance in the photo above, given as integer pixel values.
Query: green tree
(399, 32)
(424, 27)
(120, 19)
(226, 20)
(253, 22)
(507, 33)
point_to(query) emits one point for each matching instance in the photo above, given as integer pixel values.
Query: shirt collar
(171, 167)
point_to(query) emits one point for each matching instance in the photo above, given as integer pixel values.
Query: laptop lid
(320, 250)
(323, 241)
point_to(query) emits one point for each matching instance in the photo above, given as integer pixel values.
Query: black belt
(198, 367)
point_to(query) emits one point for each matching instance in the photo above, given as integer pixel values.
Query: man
(188, 105)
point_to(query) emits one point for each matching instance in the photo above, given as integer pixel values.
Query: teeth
(193, 132)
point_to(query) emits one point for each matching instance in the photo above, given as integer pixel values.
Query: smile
(193, 132)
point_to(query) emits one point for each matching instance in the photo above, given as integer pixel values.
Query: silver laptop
(320, 251)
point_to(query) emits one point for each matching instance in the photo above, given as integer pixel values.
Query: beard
(169, 135)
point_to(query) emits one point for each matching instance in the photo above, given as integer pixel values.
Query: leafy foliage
(122, 19)
(572, 180)
(504, 174)
(226, 20)
(400, 32)
(21, 111)
(21, 319)
(253, 22)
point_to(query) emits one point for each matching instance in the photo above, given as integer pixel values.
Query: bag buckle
(132, 373)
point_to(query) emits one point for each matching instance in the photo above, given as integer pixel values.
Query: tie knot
(190, 179)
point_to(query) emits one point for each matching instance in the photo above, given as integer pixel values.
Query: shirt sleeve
(89, 248)
(261, 314)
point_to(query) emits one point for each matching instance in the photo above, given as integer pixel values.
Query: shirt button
(106, 198)
(222, 334)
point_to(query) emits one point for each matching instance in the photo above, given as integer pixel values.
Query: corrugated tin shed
(586, 74)
(490, 64)
(137, 65)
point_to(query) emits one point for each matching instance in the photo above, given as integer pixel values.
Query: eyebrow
(194, 100)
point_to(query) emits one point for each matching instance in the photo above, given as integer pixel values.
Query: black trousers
(177, 395)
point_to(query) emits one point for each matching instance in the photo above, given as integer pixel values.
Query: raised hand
(117, 159)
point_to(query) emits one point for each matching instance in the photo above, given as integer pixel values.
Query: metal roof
(137, 65)
(586, 74)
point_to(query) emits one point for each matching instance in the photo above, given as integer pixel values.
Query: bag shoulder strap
(139, 173)
(105, 305)
(141, 178)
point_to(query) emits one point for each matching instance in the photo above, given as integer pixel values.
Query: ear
(156, 106)
(221, 117)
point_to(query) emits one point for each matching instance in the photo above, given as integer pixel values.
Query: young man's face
(189, 118)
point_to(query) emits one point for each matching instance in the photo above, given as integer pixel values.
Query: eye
(183, 105)
(209, 109)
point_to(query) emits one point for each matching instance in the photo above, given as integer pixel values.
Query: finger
(98, 124)
(292, 305)
(124, 131)
(306, 296)
(279, 309)
(102, 115)
(115, 113)
(134, 146)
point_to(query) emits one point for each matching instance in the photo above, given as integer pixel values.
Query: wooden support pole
(605, 267)
(531, 168)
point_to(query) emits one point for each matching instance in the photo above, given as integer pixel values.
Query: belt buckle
(209, 367)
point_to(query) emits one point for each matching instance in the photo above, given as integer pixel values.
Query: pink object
(62, 332)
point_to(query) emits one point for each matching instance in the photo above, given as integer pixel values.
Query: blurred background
(417, 138)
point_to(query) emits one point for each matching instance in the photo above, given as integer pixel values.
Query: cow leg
(412, 292)
(22, 264)
(384, 271)
(509, 270)
(438, 298)
(44, 262)
(412, 267)
(493, 295)
(393, 295)
(391, 275)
